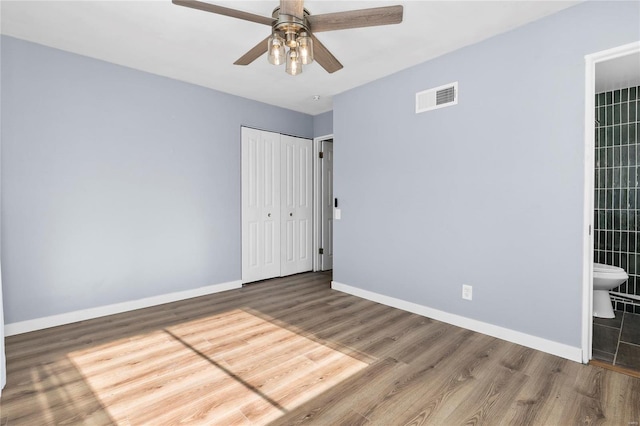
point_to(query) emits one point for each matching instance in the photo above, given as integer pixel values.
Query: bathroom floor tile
(605, 338)
(610, 322)
(603, 356)
(628, 356)
(630, 329)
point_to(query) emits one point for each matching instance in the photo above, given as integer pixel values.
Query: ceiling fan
(293, 27)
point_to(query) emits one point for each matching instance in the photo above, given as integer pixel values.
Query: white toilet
(605, 278)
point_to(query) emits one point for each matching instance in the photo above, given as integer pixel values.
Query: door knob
(291, 214)
(268, 214)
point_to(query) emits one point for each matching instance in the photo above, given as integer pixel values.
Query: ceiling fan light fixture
(294, 64)
(305, 48)
(276, 49)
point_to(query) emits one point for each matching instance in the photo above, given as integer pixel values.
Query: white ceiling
(618, 73)
(199, 47)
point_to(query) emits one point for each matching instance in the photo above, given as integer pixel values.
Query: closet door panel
(260, 205)
(296, 208)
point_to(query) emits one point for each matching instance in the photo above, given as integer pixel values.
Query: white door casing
(327, 205)
(589, 165)
(260, 205)
(296, 205)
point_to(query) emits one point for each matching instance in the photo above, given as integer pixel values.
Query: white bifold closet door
(296, 205)
(276, 205)
(260, 205)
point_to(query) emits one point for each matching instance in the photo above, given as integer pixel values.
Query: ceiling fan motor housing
(288, 26)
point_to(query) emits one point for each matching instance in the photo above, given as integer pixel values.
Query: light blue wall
(488, 192)
(323, 124)
(117, 184)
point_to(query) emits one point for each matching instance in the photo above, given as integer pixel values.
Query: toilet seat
(606, 269)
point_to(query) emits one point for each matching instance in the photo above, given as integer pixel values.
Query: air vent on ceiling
(438, 97)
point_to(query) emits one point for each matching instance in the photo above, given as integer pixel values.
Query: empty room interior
(189, 233)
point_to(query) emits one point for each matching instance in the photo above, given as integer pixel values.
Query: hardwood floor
(293, 351)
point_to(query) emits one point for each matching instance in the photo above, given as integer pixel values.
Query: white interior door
(327, 205)
(260, 205)
(296, 205)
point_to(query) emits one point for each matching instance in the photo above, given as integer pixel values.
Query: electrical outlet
(467, 292)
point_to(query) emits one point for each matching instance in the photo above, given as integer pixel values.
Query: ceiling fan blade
(220, 10)
(253, 54)
(324, 57)
(356, 18)
(292, 8)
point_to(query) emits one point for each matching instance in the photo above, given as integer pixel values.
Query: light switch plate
(336, 214)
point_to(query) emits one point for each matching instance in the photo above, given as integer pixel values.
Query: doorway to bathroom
(612, 201)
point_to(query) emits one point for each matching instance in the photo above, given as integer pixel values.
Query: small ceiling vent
(438, 97)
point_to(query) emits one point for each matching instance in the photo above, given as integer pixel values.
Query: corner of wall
(323, 124)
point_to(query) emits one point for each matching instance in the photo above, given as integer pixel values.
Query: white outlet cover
(467, 292)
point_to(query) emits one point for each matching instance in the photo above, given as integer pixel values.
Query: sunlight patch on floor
(231, 368)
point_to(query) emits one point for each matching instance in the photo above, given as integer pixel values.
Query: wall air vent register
(438, 97)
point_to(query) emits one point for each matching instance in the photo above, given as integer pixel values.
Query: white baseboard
(116, 308)
(538, 343)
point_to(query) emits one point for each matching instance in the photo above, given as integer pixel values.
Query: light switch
(336, 214)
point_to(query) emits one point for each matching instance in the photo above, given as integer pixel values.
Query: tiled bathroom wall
(617, 188)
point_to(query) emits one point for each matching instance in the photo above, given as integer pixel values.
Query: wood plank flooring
(292, 351)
